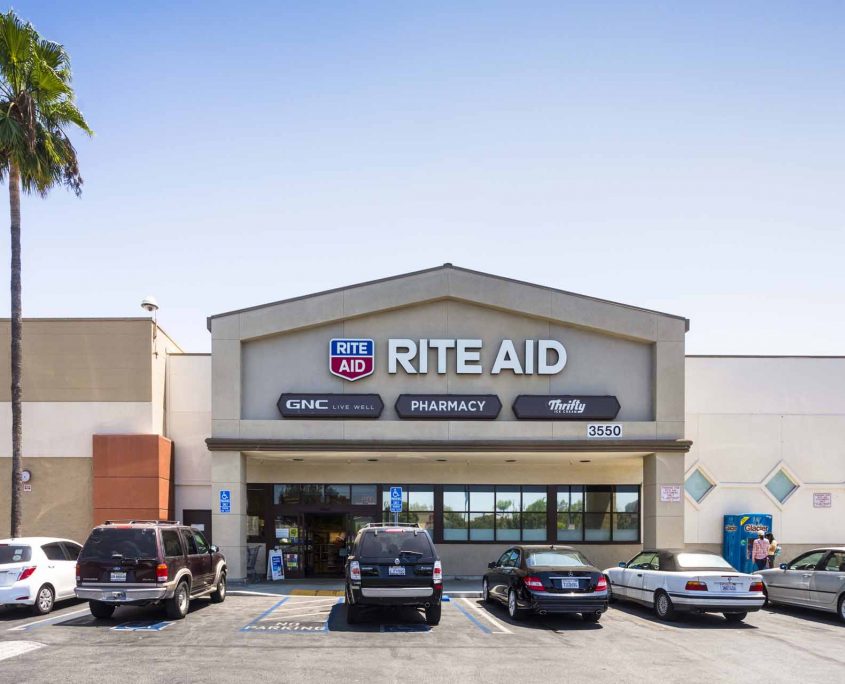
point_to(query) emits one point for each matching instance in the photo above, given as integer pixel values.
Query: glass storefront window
(455, 498)
(337, 494)
(598, 513)
(420, 498)
(481, 498)
(255, 509)
(287, 494)
(534, 525)
(507, 527)
(312, 493)
(481, 526)
(597, 527)
(454, 526)
(364, 495)
(507, 499)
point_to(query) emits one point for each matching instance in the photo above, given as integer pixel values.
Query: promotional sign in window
(565, 407)
(448, 406)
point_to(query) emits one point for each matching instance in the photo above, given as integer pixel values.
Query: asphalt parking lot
(306, 638)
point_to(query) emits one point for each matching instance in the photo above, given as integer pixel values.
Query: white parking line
(10, 649)
(55, 618)
(483, 613)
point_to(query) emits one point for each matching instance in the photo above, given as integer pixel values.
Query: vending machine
(739, 533)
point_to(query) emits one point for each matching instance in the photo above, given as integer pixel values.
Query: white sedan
(37, 572)
(675, 580)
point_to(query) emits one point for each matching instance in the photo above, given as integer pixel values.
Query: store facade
(506, 412)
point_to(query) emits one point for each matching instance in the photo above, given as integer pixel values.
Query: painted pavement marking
(10, 649)
(500, 627)
(45, 621)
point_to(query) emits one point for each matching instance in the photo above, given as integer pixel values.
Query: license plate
(727, 586)
(396, 570)
(118, 577)
(569, 584)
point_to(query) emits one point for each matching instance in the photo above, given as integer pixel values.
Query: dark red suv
(141, 562)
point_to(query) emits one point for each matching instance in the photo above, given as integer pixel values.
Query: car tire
(45, 599)
(841, 611)
(177, 606)
(735, 617)
(485, 591)
(514, 610)
(432, 615)
(219, 594)
(591, 617)
(610, 597)
(663, 607)
(101, 610)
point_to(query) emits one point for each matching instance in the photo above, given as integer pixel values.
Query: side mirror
(491, 565)
(623, 565)
(783, 566)
(213, 549)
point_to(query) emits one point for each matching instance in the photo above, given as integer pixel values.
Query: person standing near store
(773, 549)
(760, 551)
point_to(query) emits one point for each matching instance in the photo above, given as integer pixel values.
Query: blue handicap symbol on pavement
(142, 626)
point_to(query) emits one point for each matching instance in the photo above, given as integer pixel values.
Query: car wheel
(101, 610)
(177, 607)
(663, 606)
(735, 617)
(610, 597)
(591, 617)
(219, 594)
(513, 608)
(767, 602)
(432, 615)
(44, 600)
(842, 608)
(485, 590)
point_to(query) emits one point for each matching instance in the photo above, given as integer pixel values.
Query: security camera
(149, 304)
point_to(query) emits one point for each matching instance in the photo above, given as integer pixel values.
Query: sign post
(396, 503)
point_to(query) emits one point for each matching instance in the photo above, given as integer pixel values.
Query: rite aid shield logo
(351, 359)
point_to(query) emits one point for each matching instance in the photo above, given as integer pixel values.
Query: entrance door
(326, 535)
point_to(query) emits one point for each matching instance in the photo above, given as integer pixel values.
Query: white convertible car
(675, 580)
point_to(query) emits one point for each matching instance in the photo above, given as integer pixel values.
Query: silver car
(815, 579)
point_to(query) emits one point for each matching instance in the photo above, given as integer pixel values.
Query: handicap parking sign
(225, 501)
(396, 499)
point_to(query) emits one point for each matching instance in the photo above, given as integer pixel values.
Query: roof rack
(142, 522)
(382, 525)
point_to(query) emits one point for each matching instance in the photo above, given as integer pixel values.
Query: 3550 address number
(604, 430)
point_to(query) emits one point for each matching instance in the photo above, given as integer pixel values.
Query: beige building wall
(81, 377)
(188, 418)
(748, 418)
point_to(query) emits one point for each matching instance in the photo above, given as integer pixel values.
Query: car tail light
(756, 586)
(437, 573)
(601, 585)
(534, 583)
(355, 571)
(78, 575)
(26, 573)
(695, 585)
(161, 572)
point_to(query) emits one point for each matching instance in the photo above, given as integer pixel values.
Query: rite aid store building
(506, 411)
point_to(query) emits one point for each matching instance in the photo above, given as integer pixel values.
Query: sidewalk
(334, 587)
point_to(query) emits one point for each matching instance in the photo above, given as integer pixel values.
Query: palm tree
(37, 107)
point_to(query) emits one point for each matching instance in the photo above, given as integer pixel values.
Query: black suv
(393, 565)
(139, 562)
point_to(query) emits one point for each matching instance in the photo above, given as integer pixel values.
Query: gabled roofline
(441, 268)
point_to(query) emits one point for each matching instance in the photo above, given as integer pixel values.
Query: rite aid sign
(353, 359)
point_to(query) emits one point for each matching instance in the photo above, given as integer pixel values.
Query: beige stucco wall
(188, 421)
(59, 504)
(597, 364)
(750, 416)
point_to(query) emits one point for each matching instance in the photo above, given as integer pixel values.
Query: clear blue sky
(680, 156)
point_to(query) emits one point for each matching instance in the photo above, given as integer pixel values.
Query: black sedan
(546, 579)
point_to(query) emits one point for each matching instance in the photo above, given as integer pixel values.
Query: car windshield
(14, 553)
(702, 560)
(556, 559)
(107, 542)
(392, 544)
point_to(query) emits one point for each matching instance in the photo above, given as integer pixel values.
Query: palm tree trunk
(17, 427)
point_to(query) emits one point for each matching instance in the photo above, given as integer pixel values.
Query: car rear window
(14, 553)
(390, 544)
(555, 559)
(104, 542)
(702, 560)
